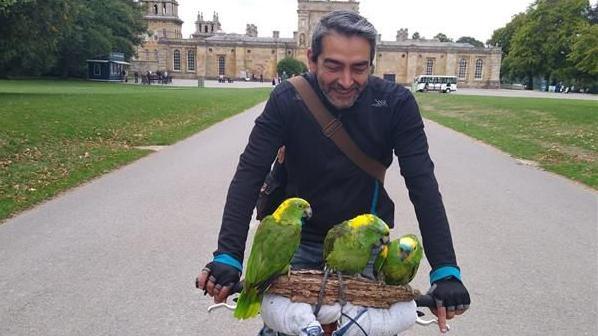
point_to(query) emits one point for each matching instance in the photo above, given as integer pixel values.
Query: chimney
(276, 34)
(402, 34)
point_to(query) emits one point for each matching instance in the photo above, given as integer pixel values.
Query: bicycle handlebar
(425, 300)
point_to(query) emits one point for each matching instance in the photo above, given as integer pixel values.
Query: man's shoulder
(283, 91)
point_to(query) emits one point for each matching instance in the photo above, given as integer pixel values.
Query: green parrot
(275, 241)
(398, 262)
(348, 245)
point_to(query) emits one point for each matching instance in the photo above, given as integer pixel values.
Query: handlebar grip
(426, 300)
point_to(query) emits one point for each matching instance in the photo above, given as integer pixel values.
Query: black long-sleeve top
(385, 118)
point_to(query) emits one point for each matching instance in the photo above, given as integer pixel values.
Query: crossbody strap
(333, 129)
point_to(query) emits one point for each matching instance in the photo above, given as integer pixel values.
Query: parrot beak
(405, 250)
(307, 213)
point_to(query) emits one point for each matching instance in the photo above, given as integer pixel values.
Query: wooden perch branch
(304, 286)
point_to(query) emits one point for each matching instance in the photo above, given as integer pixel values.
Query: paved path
(118, 256)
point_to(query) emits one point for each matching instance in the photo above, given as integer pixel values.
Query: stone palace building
(210, 52)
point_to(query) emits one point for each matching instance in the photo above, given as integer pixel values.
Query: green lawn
(559, 135)
(57, 134)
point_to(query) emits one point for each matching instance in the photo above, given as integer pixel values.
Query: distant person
(136, 75)
(261, 78)
(273, 81)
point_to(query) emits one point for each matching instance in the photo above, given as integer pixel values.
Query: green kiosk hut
(107, 68)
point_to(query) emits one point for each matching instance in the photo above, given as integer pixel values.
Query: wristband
(445, 272)
(229, 260)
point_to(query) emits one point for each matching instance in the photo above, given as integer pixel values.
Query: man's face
(342, 69)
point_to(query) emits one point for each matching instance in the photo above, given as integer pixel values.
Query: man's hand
(218, 279)
(452, 298)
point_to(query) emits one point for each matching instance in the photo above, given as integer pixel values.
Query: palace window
(479, 65)
(97, 69)
(190, 60)
(221, 65)
(164, 9)
(177, 60)
(156, 9)
(430, 66)
(462, 68)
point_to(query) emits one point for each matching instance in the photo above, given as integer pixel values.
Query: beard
(338, 96)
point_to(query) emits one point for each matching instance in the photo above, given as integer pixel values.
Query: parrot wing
(271, 252)
(336, 232)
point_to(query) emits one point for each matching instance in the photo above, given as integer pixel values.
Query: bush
(290, 66)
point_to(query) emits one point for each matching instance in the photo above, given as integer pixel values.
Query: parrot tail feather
(248, 304)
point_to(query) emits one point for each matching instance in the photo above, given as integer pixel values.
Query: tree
(502, 37)
(471, 40)
(593, 14)
(5, 4)
(99, 28)
(584, 53)
(30, 31)
(415, 36)
(541, 45)
(584, 56)
(57, 36)
(291, 66)
(443, 38)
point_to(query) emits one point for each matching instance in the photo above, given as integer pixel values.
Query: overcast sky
(455, 18)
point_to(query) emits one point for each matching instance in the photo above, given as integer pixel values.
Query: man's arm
(219, 276)
(254, 164)
(411, 148)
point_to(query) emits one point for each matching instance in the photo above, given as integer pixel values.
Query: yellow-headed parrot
(348, 245)
(275, 241)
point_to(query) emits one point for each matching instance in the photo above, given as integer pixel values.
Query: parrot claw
(220, 305)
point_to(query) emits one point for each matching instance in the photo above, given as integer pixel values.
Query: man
(380, 117)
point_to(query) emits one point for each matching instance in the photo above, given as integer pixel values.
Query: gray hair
(347, 23)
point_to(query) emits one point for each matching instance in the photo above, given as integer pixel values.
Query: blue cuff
(229, 260)
(445, 272)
